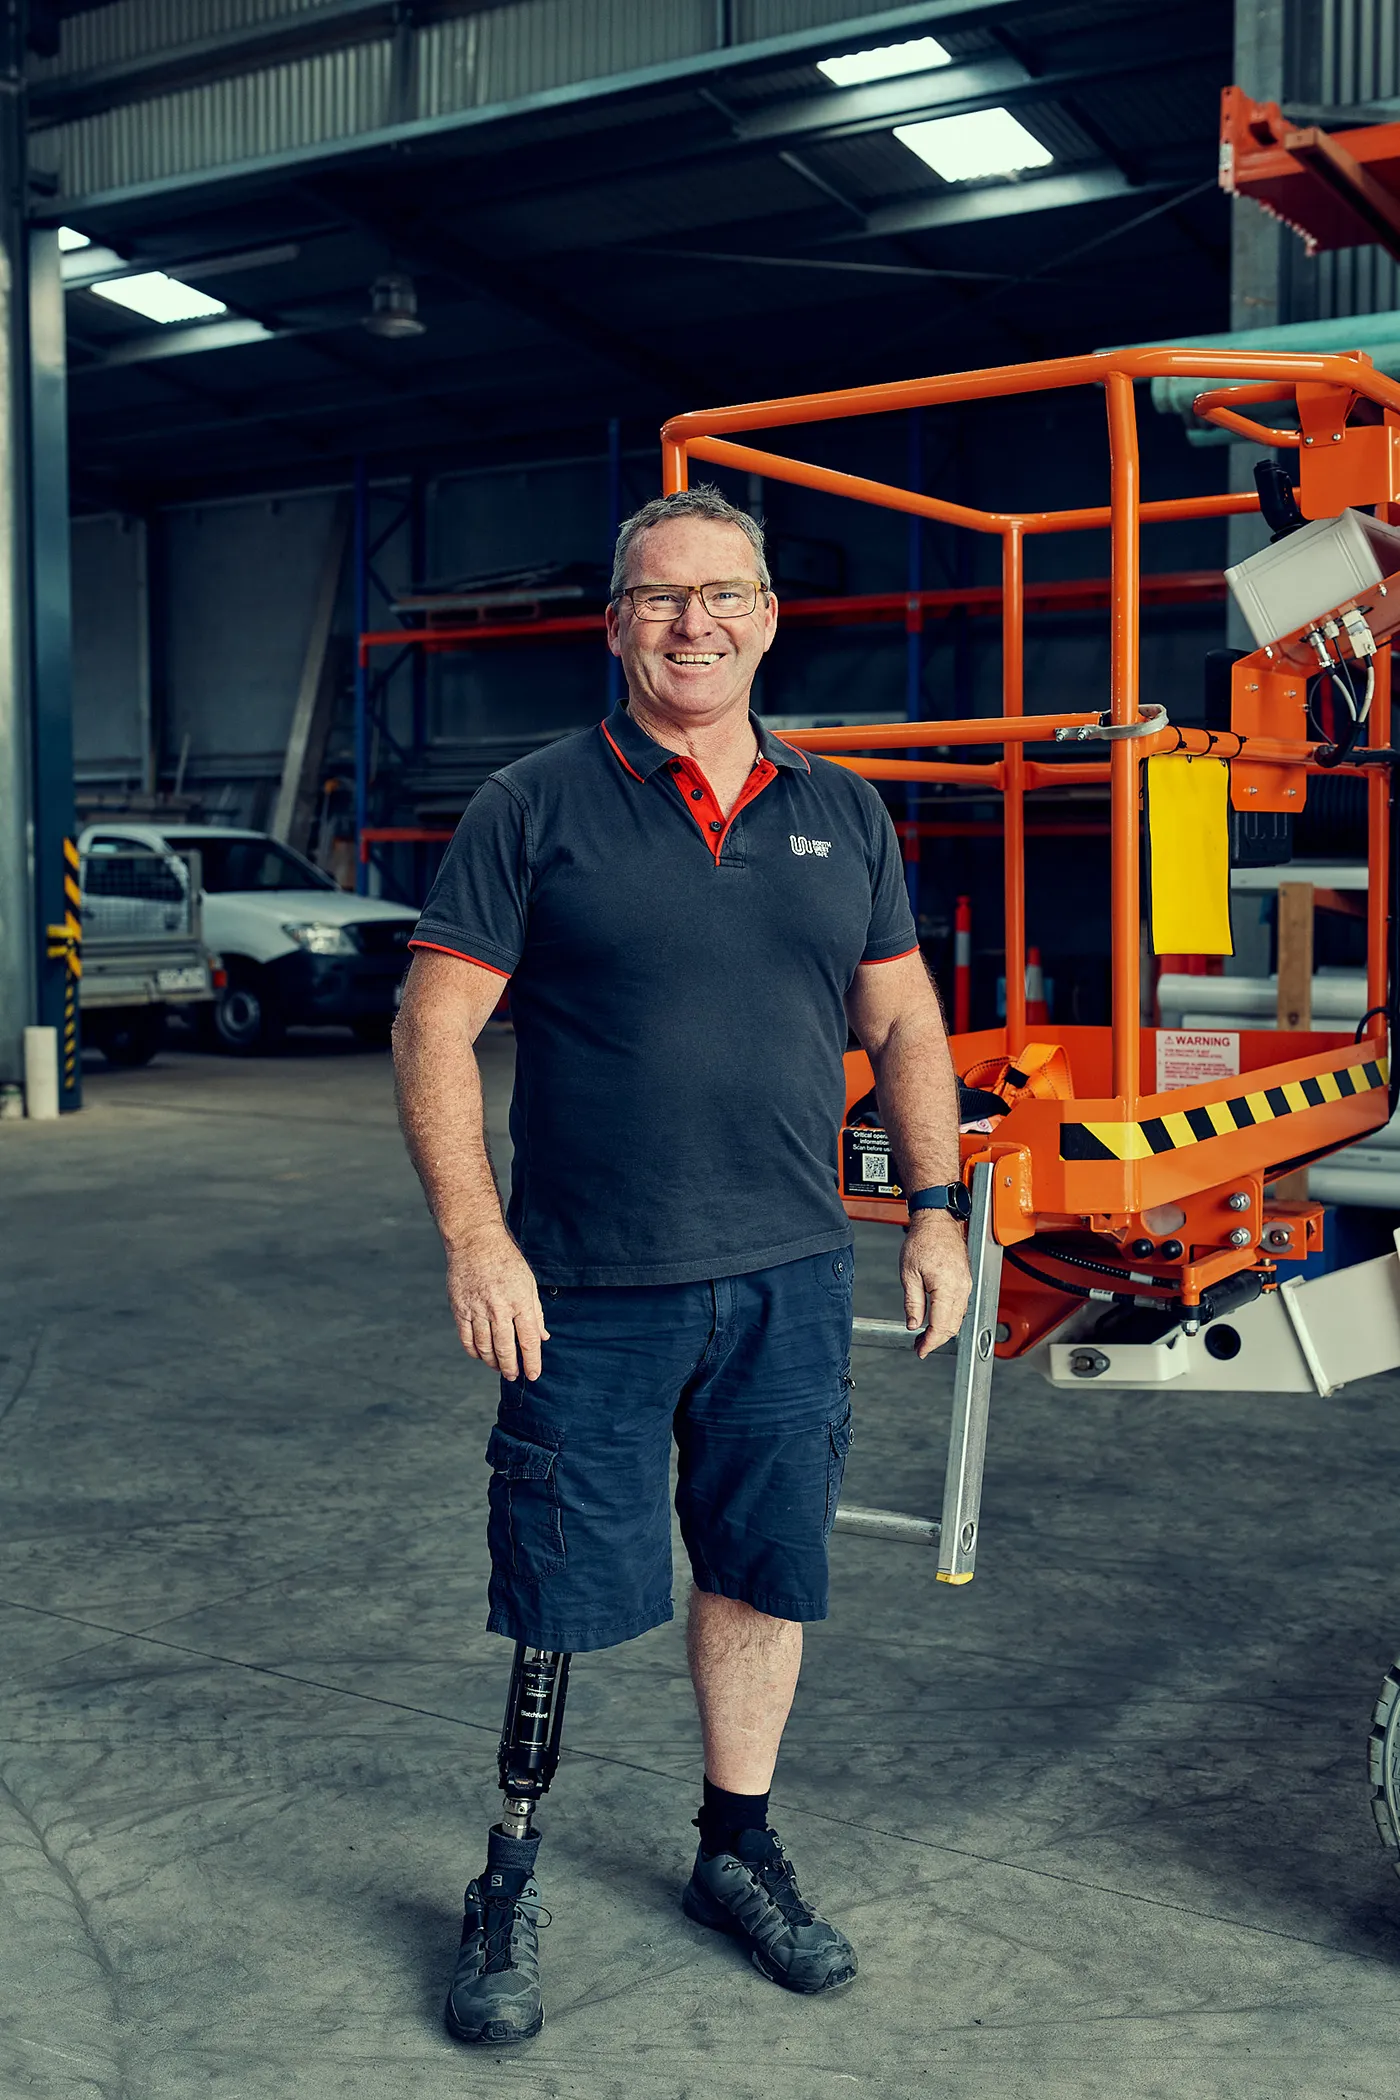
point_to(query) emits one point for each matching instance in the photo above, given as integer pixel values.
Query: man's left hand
(937, 1281)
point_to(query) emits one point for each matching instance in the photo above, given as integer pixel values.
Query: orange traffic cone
(1036, 1009)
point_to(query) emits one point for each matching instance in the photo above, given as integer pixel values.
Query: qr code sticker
(875, 1166)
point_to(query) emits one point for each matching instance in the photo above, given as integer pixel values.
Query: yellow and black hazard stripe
(65, 945)
(1192, 1126)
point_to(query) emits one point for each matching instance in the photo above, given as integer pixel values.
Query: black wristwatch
(954, 1199)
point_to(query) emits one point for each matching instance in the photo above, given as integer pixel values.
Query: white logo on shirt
(821, 847)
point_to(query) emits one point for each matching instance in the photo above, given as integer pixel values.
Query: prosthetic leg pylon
(529, 1753)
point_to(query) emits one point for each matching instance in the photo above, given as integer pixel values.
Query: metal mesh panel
(133, 895)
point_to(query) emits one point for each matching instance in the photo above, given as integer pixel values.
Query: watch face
(959, 1201)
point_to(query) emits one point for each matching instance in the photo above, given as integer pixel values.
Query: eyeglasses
(733, 599)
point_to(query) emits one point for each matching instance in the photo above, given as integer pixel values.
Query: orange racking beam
(1064, 594)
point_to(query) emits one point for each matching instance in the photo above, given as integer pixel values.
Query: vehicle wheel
(246, 1019)
(1384, 1757)
(130, 1035)
(375, 1031)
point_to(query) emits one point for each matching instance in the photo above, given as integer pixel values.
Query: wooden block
(1295, 954)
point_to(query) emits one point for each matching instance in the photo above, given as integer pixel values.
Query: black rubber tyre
(375, 1031)
(246, 1021)
(1384, 1763)
(128, 1035)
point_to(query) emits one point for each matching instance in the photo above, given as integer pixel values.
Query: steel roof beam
(1005, 200)
(816, 120)
(737, 59)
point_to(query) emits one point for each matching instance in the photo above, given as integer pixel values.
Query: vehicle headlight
(320, 939)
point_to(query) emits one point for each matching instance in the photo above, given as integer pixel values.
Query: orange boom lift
(1133, 1220)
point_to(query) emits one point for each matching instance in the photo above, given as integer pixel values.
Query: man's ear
(613, 628)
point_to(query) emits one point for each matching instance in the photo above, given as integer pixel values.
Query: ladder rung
(884, 1334)
(887, 1524)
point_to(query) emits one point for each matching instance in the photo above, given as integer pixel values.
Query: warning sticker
(866, 1166)
(1190, 1056)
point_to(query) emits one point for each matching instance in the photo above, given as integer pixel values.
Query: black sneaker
(495, 1994)
(752, 1894)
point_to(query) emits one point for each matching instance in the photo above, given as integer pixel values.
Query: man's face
(694, 668)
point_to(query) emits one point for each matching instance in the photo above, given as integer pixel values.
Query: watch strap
(949, 1196)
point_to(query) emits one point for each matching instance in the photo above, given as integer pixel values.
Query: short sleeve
(479, 905)
(891, 931)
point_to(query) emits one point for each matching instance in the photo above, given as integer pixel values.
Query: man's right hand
(496, 1304)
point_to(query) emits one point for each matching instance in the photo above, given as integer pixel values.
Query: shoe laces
(498, 1935)
(776, 1876)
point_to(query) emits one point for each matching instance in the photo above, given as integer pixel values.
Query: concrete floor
(1098, 1824)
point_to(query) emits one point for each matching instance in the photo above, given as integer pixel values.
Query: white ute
(295, 947)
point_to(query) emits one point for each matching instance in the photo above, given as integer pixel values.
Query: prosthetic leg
(529, 1754)
(495, 1994)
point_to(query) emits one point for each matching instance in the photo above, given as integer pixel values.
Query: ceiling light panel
(967, 149)
(69, 237)
(917, 56)
(159, 298)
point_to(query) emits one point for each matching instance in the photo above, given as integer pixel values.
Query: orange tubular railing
(1080, 1183)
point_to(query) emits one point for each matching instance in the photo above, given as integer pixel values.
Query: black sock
(509, 1864)
(724, 1815)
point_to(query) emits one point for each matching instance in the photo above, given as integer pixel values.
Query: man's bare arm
(894, 1010)
(447, 1001)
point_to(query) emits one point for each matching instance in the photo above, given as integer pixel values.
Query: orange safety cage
(1094, 1152)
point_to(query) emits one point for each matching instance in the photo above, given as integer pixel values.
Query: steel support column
(57, 904)
(362, 726)
(18, 974)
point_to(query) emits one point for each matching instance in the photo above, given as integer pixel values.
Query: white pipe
(1339, 1183)
(1337, 995)
(41, 1074)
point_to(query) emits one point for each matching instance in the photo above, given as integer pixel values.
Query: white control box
(1312, 571)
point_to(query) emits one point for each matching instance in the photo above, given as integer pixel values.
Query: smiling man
(690, 913)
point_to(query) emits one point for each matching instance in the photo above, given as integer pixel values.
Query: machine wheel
(375, 1031)
(245, 1018)
(1384, 1762)
(129, 1035)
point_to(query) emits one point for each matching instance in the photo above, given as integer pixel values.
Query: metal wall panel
(311, 101)
(754, 19)
(1346, 51)
(106, 651)
(513, 51)
(496, 56)
(138, 28)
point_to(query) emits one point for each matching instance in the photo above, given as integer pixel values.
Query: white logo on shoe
(821, 847)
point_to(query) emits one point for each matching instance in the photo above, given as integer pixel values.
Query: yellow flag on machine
(1188, 830)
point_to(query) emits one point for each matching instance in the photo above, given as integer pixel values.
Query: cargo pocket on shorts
(526, 1531)
(838, 1444)
(836, 1273)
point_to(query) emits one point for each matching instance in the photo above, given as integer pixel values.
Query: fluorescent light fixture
(69, 237)
(985, 142)
(917, 56)
(159, 298)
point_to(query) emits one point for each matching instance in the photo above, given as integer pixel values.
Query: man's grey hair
(702, 502)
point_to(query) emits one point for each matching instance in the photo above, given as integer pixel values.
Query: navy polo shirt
(677, 984)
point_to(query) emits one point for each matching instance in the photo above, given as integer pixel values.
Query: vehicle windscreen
(250, 864)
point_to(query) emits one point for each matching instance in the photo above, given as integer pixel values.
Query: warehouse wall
(234, 586)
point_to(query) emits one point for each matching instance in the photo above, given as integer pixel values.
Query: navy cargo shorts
(750, 1374)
